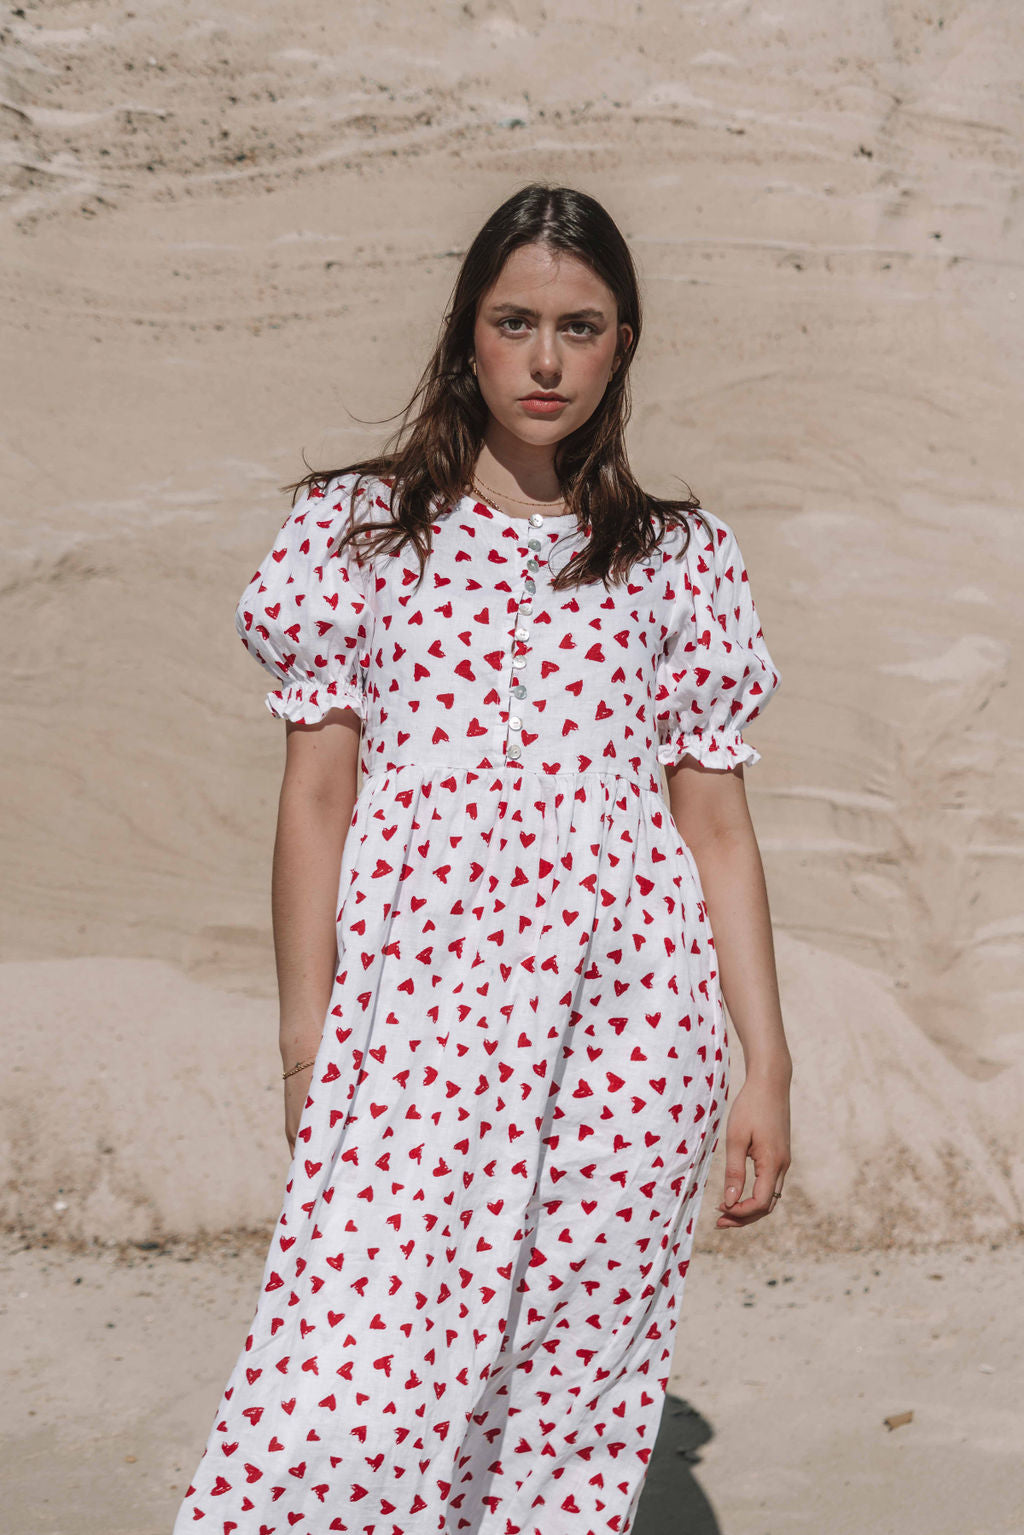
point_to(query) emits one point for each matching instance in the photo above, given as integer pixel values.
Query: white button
(514, 749)
(518, 662)
(522, 634)
(537, 520)
(534, 543)
(526, 606)
(514, 722)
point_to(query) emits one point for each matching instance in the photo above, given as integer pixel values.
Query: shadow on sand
(672, 1502)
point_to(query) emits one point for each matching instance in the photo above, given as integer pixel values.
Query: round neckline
(501, 516)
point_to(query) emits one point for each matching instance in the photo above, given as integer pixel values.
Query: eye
(588, 329)
(513, 319)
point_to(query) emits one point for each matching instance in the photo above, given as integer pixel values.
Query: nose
(546, 362)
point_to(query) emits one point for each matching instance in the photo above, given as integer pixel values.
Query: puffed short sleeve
(305, 615)
(716, 674)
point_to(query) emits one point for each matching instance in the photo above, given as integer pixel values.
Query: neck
(515, 468)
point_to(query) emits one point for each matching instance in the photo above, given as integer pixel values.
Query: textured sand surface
(161, 1114)
(788, 1369)
(226, 233)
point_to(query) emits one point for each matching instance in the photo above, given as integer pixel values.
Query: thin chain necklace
(519, 500)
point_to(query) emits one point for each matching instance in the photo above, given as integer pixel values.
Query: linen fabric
(466, 1316)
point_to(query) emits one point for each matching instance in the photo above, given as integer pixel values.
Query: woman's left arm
(709, 807)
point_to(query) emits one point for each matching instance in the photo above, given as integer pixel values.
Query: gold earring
(472, 364)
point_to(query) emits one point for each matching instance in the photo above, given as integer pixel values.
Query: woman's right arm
(317, 798)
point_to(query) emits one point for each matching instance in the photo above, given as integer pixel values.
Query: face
(549, 325)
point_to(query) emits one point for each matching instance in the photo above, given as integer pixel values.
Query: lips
(540, 405)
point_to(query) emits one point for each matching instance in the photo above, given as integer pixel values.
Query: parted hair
(429, 461)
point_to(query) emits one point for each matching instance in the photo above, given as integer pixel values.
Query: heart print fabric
(466, 1316)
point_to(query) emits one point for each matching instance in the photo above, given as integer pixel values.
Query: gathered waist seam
(441, 769)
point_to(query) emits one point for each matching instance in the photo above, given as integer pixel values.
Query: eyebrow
(533, 314)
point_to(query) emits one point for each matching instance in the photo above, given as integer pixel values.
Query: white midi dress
(467, 1312)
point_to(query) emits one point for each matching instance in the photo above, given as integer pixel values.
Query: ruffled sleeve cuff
(307, 703)
(710, 749)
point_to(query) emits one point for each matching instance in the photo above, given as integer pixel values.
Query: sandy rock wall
(226, 238)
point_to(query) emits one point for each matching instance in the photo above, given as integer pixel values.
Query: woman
(504, 1047)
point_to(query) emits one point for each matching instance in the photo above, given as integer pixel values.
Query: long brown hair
(429, 460)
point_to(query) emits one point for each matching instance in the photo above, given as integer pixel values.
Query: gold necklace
(519, 501)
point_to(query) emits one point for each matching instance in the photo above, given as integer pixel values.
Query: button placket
(521, 635)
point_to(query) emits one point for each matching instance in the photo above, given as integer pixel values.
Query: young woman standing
(504, 1045)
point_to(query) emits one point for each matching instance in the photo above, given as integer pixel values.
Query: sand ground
(787, 1369)
(227, 233)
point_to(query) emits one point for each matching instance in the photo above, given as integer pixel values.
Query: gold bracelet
(300, 1067)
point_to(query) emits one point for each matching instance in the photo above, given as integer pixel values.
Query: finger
(735, 1170)
(766, 1181)
(743, 1215)
(737, 1223)
(761, 1202)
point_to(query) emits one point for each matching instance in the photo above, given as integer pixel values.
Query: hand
(296, 1091)
(758, 1128)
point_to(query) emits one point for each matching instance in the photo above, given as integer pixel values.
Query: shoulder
(710, 534)
(330, 505)
(698, 538)
(713, 554)
(701, 562)
(336, 494)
